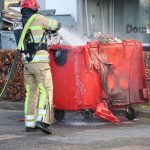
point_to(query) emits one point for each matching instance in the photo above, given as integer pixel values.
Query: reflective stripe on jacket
(41, 56)
(40, 24)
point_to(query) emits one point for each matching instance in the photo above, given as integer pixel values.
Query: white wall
(63, 6)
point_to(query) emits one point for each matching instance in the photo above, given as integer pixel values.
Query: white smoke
(72, 38)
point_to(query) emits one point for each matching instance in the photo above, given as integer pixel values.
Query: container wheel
(59, 114)
(130, 113)
(87, 113)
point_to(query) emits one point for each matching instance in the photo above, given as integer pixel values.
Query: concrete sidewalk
(11, 105)
(74, 133)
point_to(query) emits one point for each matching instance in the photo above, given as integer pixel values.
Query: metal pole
(87, 20)
(113, 18)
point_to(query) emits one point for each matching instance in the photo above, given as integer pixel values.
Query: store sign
(134, 29)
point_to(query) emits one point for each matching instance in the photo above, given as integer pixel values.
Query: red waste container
(122, 70)
(76, 86)
(93, 76)
(122, 74)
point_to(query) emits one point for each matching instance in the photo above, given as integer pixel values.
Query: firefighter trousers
(39, 94)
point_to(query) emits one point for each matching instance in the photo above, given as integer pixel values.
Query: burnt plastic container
(122, 72)
(94, 76)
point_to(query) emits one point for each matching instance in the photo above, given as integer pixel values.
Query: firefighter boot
(28, 129)
(43, 127)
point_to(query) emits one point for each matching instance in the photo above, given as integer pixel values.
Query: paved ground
(75, 133)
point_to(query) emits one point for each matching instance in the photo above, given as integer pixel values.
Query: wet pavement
(76, 133)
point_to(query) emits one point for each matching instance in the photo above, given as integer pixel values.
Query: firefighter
(38, 80)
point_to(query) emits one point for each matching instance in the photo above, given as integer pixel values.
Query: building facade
(126, 19)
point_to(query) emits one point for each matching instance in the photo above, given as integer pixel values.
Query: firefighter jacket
(37, 28)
